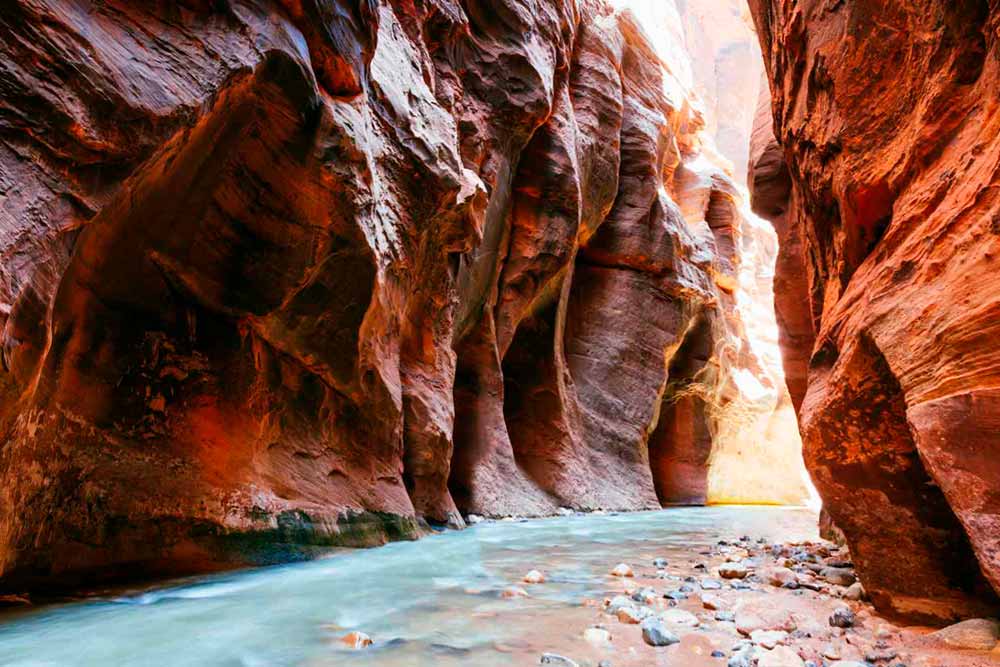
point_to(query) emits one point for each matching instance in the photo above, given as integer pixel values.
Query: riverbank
(752, 603)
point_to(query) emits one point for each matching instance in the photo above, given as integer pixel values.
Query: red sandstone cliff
(886, 200)
(282, 274)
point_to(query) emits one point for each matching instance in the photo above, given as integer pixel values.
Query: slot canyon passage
(592, 296)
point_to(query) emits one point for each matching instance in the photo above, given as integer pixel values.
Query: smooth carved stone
(895, 386)
(278, 277)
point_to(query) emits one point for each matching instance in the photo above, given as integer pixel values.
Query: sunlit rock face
(281, 275)
(887, 190)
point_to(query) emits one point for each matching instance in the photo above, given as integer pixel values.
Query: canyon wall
(280, 275)
(881, 172)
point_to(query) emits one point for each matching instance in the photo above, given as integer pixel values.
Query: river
(431, 602)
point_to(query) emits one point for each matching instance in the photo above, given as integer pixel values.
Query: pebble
(768, 638)
(513, 592)
(855, 591)
(632, 615)
(880, 655)
(675, 595)
(660, 563)
(596, 635)
(733, 571)
(725, 616)
(711, 584)
(645, 595)
(718, 654)
(534, 577)
(655, 633)
(838, 575)
(622, 570)
(556, 659)
(842, 617)
(618, 602)
(831, 652)
(781, 576)
(680, 617)
(356, 640)
(743, 657)
(713, 602)
(978, 634)
(781, 656)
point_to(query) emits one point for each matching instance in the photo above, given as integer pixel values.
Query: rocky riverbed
(747, 603)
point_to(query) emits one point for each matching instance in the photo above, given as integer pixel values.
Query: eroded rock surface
(278, 275)
(887, 200)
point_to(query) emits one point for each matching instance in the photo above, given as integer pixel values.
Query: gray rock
(711, 584)
(725, 616)
(556, 659)
(855, 591)
(744, 657)
(838, 575)
(655, 633)
(646, 595)
(675, 595)
(660, 563)
(842, 617)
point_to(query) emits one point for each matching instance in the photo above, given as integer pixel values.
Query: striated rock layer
(281, 275)
(884, 185)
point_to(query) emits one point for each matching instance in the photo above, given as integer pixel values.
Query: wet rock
(556, 659)
(473, 519)
(842, 617)
(978, 634)
(356, 640)
(733, 571)
(565, 511)
(622, 570)
(656, 633)
(534, 577)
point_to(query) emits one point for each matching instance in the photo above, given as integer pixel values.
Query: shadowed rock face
(887, 199)
(282, 275)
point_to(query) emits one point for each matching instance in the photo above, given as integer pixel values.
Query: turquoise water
(430, 602)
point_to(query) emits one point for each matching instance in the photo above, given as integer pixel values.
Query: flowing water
(430, 602)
